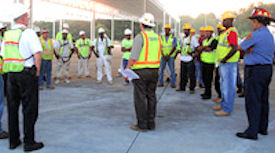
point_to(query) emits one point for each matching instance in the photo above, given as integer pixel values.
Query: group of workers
(26, 60)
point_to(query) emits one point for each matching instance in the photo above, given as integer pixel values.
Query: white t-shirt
(194, 43)
(29, 45)
(101, 45)
(66, 49)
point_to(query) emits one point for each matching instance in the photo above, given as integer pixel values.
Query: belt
(257, 65)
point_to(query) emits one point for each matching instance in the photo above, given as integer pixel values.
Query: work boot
(221, 113)
(217, 100)
(217, 108)
(50, 87)
(245, 136)
(173, 86)
(34, 146)
(192, 91)
(14, 146)
(4, 135)
(160, 85)
(41, 87)
(136, 128)
(179, 89)
(151, 125)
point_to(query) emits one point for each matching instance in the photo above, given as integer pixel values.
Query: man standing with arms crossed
(145, 61)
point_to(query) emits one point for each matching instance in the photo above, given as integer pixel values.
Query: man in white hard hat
(63, 53)
(126, 47)
(83, 46)
(69, 35)
(21, 61)
(102, 50)
(145, 61)
(38, 31)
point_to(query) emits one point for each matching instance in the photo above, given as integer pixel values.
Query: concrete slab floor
(86, 117)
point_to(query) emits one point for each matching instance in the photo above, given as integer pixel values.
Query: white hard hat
(66, 25)
(101, 30)
(65, 31)
(147, 19)
(81, 33)
(18, 10)
(36, 29)
(2, 25)
(128, 32)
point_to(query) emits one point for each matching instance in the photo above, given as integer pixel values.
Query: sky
(195, 7)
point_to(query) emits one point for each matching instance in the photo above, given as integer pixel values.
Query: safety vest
(127, 44)
(224, 48)
(84, 47)
(105, 46)
(59, 36)
(62, 44)
(12, 59)
(47, 53)
(1, 65)
(167, 46)
(186, 48)
(151, 51)
(208, 57)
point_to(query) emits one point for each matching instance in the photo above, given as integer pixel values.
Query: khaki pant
(62, 67)
(106, 62)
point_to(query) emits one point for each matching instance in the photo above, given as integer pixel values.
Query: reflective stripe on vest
(47, 53)
(224, 48)
(12, 59)
(151, 51)
(208, 57)
(1, 66)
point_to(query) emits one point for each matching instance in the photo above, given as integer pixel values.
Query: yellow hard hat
(187, 26)
(219, 26)
(193, 30)
(167, 26)
(202, 29)
(223, 28)
(228, 15)
(209, 28)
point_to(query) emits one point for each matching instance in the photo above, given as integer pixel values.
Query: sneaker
(57, 81)
(160, 85)
(67, 81)
(173, 86)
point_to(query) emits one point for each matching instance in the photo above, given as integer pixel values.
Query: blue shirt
(262, 43)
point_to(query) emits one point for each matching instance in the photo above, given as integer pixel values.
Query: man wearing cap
(228, 57)
(59, 35)
(189, 45)
(168, 52)
(208, 59)
(47, 56)
(218, 99)
(37, 31)
(145, 61)
(102, 50)
(21, 61)
(84, 51)
(126, 47)
(63, 53)
(259, 48)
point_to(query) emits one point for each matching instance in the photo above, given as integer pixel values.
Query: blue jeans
(124, 63)
(198, 72)
(1, 100)
(171, 65)
(228, 78)
(46, 69)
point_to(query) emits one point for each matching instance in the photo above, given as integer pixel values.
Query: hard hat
(202, 28)
(193, 30)
(228, 15)
(259, 12)
(45, 30)
(81, 32)
(127, 32)
(219, 26)
(187, 26)
(167, 26)
(2, 25)
(101, 30)
(65, 31)
(209, 28)
(36, 29)
(147, 19)
(18, 10)
(223, 28)
(66, 25)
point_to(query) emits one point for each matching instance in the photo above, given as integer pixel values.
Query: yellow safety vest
(167, 46)
(83, 47)
(1, 66)
(186, 48)
(208, 57)
(12, 59)
(223, 47)
(151, 51)
(47, 53)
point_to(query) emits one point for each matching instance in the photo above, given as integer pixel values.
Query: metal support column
(112, 28)
(133, 28)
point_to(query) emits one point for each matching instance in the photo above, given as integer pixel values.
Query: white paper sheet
(130, 74)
